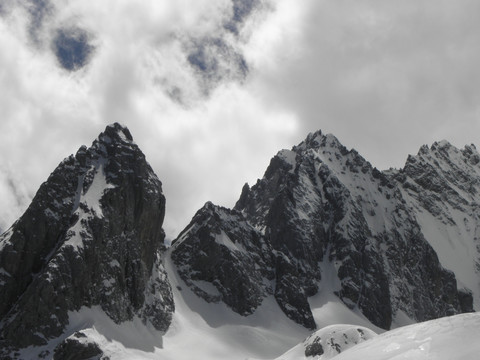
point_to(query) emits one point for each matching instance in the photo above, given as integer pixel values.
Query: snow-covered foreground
(449, 338)
(328, 342)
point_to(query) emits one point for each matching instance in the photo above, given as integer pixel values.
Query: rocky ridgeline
(92, 236)
(317, 203)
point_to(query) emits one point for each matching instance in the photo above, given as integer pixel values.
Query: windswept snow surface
(328, 342)
(449, 338)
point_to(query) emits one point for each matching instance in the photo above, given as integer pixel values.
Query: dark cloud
(242, 9)
(215, 61)
(72, 48)
(4, 7)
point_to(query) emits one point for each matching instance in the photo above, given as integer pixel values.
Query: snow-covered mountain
(322, 209)
(322, 239)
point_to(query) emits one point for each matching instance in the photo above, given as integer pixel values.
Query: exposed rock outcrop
(221, 248)
(335, 339)
(78, 347)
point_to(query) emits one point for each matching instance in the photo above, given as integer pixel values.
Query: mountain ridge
(323, 229)
(319, 198)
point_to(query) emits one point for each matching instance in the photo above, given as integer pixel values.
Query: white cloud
(384, 77)
(15, 197)
(202, 149)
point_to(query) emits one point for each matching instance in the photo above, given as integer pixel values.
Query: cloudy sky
(212, 89)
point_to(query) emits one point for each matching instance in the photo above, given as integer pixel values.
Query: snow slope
(214, 331)
(447, 338)
(206, 330)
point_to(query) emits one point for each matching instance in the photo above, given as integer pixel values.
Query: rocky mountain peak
(114, 137)
(92, 236)
(115, 132)
(327, 149)
(318, 140)
(447, 153)
(320, 205)
(443, 168)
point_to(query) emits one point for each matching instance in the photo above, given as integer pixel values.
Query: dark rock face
(91, 236)
(321, 203)
(314, 349)
(332, 340)
(221, 248)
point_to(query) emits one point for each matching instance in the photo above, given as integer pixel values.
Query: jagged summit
(92, 236)
(444, 150)
(114, 135)
(326, 142)
(117, 132)
(319, 139)
(443, 167)
(323, 148)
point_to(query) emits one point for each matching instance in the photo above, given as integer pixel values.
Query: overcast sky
(212, 89)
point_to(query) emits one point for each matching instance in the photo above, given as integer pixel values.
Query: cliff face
(91, 236)
(221, 248)
(321, 203)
